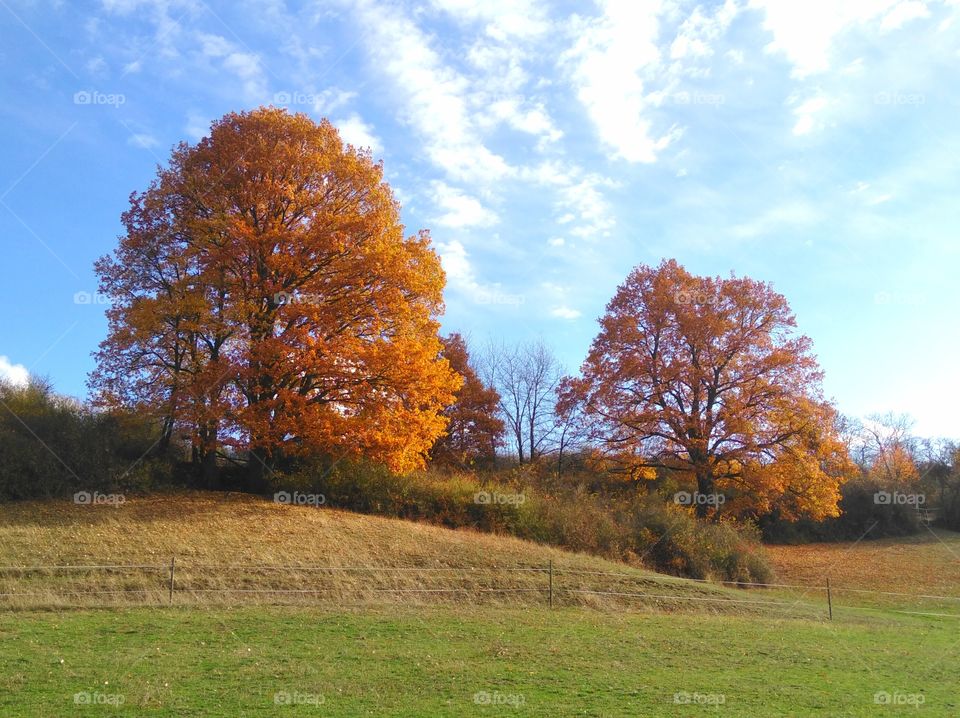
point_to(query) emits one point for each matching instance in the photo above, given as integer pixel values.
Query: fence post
(829, 599)
(551, 583)
(173, 564)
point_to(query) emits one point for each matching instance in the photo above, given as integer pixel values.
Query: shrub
(624, 526)
(861, 516)
(53, 446)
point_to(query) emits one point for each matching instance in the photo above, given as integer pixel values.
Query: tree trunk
(259, 468)
(166, 436)
(705, 488)
(210, 471)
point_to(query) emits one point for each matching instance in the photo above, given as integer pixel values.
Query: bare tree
(891, 447)
(541, 372)
(526, 376)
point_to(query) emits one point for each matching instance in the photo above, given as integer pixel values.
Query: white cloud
(579, 198)
(331, 99)
(862, 191)
(15, 374)
(142, 140)
(698, 32)
(556, 241)
(789, 214)
(505, 19)
(244, 65)
(903, 13)
(96, 66)
(358, 133)
(607, 67)
(806, 32)
(806, 113)
(534, 121)
(565, 312)
(459, 210)
(197, 126)
(433, 96)
(214, 45)
(456, 264)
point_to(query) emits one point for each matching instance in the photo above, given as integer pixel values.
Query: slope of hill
(243, 548)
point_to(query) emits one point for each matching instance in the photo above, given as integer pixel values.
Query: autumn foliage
(707, 377)
(266, 299)
(474, 430)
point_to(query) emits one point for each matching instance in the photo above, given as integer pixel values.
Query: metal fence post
(551, 583)
(173, 564)
(829, 599)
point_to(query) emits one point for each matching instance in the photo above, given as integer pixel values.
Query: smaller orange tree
(474, 430)
(707, 377)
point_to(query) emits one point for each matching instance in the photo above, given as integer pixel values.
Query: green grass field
(369, 646)
(469, 661)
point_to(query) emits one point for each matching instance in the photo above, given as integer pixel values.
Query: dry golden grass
(923, 565)
(927, 563)
(224, 542)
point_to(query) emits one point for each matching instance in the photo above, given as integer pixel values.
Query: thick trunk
(705, 488)
(210, 471)
(259, 468)
(166, 436)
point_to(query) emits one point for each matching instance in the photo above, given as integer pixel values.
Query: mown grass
(441, 661)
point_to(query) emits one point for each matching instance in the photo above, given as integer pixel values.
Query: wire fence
(183, 583)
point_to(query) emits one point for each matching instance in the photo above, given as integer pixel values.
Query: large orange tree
(265, 297)
(708, 377)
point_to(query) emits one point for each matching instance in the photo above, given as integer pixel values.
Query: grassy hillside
(222, 542)
(439, 641)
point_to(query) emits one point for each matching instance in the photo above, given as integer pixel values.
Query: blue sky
(549, 147)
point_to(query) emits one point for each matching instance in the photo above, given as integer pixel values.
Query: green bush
(861, 516)
(52, 446)
(625, 526)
